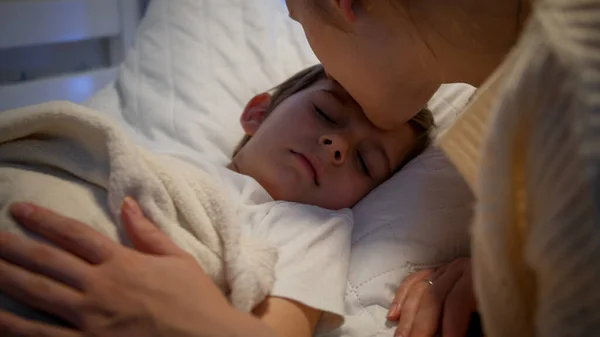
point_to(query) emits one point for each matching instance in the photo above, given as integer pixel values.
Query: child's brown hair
(422, 124)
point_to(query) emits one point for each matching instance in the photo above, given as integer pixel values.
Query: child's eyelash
(364, 165)
(324, 115)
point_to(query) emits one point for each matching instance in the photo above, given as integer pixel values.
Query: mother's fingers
(43, 259)
(14, 326)
(444, 283)
(432, 307)
(69, 234)
(40, 292)
(438, 272)
(143, 234)
(459, 306)
(410, 308)
(405, 288)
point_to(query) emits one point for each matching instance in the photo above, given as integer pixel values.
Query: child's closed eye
(364, 166)
(324, 116)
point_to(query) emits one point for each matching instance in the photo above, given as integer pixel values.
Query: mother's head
(392, 55)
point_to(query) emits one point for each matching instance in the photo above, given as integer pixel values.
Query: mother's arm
(104, 289)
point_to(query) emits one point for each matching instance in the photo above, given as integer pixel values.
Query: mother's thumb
(143, 234)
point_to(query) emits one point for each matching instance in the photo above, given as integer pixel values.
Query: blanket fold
(78, 163)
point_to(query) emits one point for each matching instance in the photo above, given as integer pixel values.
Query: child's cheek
(349, 188)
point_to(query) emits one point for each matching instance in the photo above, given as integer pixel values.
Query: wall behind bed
(62, 49)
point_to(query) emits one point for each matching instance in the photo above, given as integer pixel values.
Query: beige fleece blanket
(78, 163)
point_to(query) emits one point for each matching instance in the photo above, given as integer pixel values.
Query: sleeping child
(272, 228)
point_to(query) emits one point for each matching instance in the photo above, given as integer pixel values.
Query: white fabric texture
(72, 160)
(313, 243)
(182, 88)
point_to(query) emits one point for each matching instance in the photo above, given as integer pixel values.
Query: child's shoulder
(299, 226)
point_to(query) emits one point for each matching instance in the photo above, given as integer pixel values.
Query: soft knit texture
(529, 145)
(75, 162)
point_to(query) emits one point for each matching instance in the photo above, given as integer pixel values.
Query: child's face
(318, 148)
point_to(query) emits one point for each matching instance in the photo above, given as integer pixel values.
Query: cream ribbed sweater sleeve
(530, 146)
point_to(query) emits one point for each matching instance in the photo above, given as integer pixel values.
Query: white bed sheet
(182, 87)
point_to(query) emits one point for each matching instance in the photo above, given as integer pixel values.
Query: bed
(184, 83)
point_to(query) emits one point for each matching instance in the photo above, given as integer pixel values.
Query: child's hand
(104, 289)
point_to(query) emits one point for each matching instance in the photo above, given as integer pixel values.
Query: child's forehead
(334, 89)
(329, 84)
(398, 140)
(351, 107)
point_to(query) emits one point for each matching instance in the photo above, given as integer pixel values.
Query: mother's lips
(309, 164)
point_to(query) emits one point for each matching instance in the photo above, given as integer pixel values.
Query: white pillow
(193, 66)
(417, 219)
(183, 85)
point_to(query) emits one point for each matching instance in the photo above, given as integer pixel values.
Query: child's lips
(309, 164)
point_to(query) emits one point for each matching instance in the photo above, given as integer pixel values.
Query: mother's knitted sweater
(529, 146)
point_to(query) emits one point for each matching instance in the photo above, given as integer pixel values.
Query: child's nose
(337, 146)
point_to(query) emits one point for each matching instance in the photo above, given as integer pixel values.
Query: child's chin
(286, 188)
(285, 194)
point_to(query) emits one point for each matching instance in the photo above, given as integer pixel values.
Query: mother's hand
(104, 289)
(430, 298)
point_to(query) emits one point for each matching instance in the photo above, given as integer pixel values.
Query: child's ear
(254, 113)
(347, 9)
